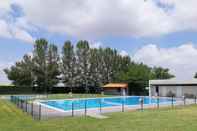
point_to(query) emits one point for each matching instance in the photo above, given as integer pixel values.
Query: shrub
(187, 95)
(171, 94)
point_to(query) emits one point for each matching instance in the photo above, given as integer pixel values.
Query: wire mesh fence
(84, 107)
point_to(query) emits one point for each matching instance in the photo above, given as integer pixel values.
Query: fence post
(141, 103)
(100, 105)
(21, 101)
(72, 109)
(40, 111)
(26, 106)
(32, 108)
(172, 101)
(11, 98)
(183, 100)
(14, 99)
(85, 107)
(17, 102)
(19, 105)
(157, 102)
(122, 105)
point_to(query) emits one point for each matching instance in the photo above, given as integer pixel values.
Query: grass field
(62, 96)
(179, 119)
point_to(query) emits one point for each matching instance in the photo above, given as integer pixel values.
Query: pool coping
(104, 108)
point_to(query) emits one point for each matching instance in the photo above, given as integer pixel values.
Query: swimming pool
(89, 103)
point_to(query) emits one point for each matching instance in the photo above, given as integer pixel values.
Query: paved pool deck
(47, 112)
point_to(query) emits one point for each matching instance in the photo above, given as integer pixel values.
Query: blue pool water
(101, 102)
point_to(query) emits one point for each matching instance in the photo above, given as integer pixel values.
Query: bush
(15, 90)
(171, 94)
(187, 95)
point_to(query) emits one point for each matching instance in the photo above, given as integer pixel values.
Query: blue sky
(155, 32)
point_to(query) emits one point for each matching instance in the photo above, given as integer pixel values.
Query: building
(115, 89)
(169, 87)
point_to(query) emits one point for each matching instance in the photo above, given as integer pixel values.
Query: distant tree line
(80, 67)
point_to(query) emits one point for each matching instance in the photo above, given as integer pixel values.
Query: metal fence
(39, 111)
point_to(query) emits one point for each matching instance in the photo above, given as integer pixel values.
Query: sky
(155, 32)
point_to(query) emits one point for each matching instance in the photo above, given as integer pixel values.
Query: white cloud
(12, 31)
(96, 18)
(3, 77)
(90, 18)
(4, 7)
(11, 27)
(183, 14)
(4, 29)
(123, 53)
(180, 60)
(22, 35)
(96, 44)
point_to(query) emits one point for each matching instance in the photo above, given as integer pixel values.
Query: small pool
(78, 104)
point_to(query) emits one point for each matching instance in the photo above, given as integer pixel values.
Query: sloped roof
(116, 85)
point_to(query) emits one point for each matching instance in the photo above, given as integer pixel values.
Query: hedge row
(28, 90)
(15, 90)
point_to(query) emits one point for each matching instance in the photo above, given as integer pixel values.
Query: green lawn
(179, 119)
(64, 96)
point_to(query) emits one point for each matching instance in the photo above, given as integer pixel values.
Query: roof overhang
(116, 85)
(173, 82)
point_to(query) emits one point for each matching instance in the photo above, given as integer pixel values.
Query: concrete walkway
(98, 116)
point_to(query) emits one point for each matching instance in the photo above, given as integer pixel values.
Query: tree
(21, 73)
(83, 54)
(83, 67)
(161, 73)
(96, 67)
(137, 76)
(68, 67)
(45, 61)
(108, 64)
(122, 64)
(52, 66)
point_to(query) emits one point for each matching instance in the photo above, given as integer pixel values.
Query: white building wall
(179, 91)
(190, 90)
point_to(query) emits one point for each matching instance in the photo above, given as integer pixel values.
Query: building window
(118, 89)
(157, 89)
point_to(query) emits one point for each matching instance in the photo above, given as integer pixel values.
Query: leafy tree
(52, 66)
(45, 62)
(161, 73)
(83, 67)
(121, 66)
(108, 63)
(83, 54)
(68, 64)
(95, 77)
(137, 76)
(21, 73)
